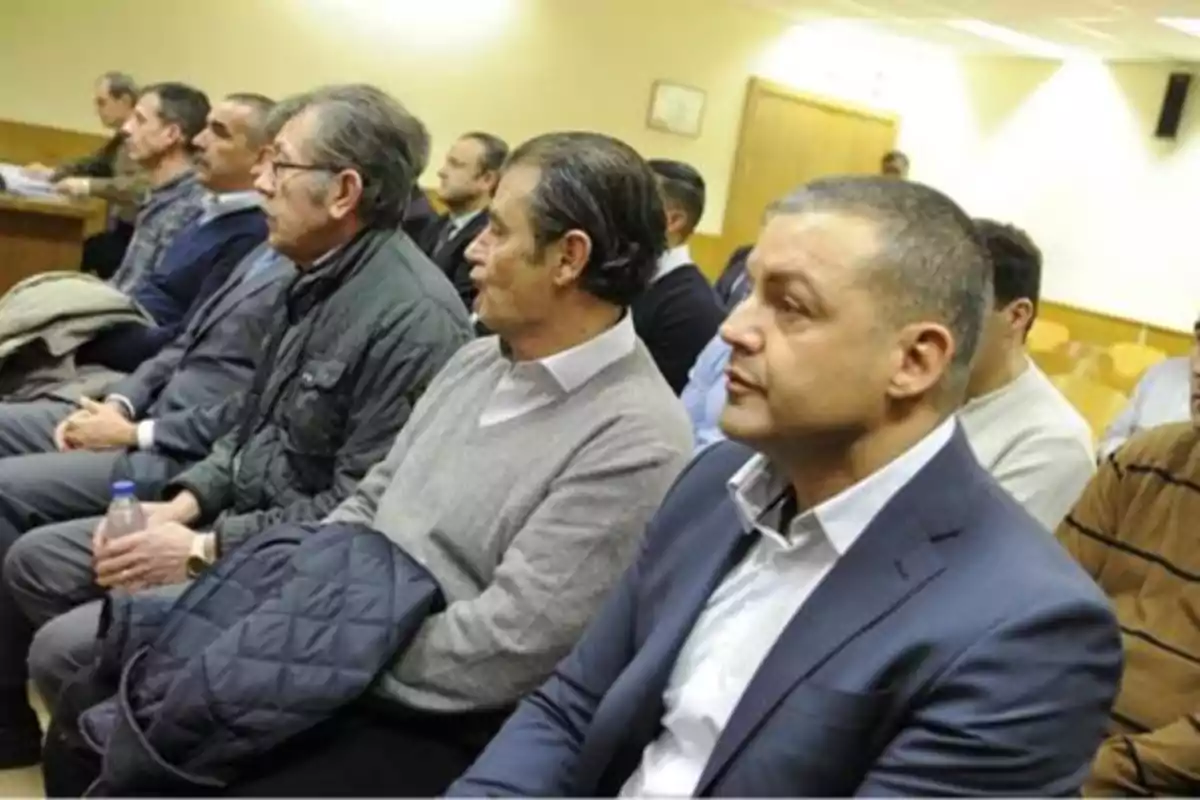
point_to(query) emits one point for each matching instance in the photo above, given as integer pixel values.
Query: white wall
(1064, 150)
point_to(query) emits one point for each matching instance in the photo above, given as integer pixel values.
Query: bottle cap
(124, 489)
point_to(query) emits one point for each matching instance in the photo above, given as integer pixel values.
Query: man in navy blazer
(844, 602)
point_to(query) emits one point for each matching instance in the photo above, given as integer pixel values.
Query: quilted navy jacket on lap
(292, 626)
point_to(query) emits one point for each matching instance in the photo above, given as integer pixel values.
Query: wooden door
(787, 139)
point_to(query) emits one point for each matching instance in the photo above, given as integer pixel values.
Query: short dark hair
(600, 186)
(931, 262)
(362, 128)
(120, 85)
(894, 157)
(260, 107)
(495, 150)
(684, 186)
(1016, 262)
(183, 106)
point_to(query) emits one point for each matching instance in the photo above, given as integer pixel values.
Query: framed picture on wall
(676, 108)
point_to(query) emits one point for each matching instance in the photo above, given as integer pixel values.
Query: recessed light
(1188, 25)
(1014, 39)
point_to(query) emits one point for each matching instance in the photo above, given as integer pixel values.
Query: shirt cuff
(124, 402)
(145, 434)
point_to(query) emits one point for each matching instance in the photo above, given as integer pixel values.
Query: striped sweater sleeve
(1105, 525)
(1162, 762)
(1091, 526)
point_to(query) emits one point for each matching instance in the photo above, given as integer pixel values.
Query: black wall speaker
(1172, 108)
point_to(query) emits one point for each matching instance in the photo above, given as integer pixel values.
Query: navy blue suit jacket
(955, 649)
(195, 266)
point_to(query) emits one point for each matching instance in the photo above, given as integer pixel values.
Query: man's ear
(676, 220)
(925, 352)
(1020, 313)
(175, 134)
(347, 194)
(492, 179)
(571, 255)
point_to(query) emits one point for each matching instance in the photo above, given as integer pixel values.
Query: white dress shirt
(529, 385)
(672, 260)
(216, 206)
(453, 228)
(749, 611)
(461, 221)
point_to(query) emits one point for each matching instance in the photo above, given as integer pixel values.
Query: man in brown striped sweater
(1135, 531)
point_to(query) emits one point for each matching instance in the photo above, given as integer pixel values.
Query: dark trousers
(103, 253)
(365, 751)
(40, 486)
(17, 719)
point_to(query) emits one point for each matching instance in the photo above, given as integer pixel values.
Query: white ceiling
(1115, 29)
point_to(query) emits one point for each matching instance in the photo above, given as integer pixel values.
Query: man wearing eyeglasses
(363, 329)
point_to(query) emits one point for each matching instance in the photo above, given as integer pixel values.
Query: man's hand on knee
(157, 556)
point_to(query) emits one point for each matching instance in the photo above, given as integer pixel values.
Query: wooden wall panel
(25, 143)
(710, 254)
(1101, 330)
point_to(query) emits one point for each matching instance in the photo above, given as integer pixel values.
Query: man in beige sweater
(1022, 429)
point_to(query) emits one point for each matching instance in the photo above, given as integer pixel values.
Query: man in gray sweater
(523, 479)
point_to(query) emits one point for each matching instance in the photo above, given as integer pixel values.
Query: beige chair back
(1047, 335)
(1097, 402)
(1124, 363)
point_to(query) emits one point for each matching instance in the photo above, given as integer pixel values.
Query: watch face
(195, 565)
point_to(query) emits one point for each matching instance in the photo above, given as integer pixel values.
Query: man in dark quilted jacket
(367, 324)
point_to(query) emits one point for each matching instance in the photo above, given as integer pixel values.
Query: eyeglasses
(275, 166)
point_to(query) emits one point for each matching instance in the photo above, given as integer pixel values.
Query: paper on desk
(18, 183)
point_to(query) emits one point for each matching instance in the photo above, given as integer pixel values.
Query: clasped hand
(95, 426)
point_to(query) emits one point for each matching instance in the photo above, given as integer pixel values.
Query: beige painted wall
(516, 67)
(1063, 150)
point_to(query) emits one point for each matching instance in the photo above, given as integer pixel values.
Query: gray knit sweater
(526, 524)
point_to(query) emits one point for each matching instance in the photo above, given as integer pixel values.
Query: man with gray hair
(361, 332)
(108, 174)
(522, 483)
(840, 601)
(116, 94)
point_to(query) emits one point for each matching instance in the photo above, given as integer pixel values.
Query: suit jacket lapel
(236, 290)
(648, 673)
(892, 560)
(460, 238)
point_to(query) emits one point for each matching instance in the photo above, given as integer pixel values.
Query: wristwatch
(203, 554)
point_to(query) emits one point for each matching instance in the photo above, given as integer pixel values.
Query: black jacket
(100, 164)
(195, 266)
(421, 221)
(731, 287)
(361, 338)
(452, 256)
(264, 646)
(676, 317)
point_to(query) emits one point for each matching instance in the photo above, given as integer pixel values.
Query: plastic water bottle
(125, 515)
